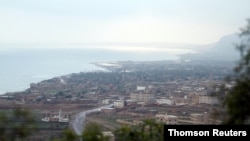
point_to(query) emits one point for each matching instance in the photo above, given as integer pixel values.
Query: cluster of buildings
(169, 92)
(56, 117)
(196, 108)
(141, 96)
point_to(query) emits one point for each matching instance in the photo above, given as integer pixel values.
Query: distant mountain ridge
(223, 50)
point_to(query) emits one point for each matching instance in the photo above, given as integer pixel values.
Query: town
(173, 92)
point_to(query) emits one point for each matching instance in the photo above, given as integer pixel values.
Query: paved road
(79, 122)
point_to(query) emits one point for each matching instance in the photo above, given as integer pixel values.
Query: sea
(19, 67)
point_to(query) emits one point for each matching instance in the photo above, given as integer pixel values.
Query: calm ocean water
(21, 67)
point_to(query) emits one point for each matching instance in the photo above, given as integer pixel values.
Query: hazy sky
(79, 21)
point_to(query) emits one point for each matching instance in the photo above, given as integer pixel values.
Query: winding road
(79, 122)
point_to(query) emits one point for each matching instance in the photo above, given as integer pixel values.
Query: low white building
(162, 101)
(119, 104)
(203, 99)
(142, 97)
(140, 88)
(167, 119)
(106, 101)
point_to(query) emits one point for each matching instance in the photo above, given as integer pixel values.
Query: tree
(16, 124)
(68, 135)
(127, 133)
(149, 130)
(237, 100)
(92, 132)
(152, 130)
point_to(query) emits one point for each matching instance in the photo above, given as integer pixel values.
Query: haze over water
(45, 23)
